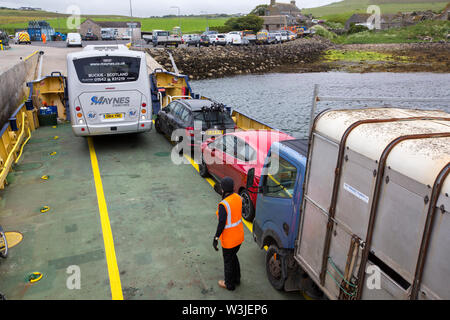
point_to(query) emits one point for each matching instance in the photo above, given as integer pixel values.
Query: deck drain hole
(34, 277)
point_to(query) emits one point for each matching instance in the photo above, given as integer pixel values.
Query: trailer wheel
(273, 267)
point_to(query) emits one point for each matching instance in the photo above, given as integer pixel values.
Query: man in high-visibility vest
(44, 38)
(230, 231)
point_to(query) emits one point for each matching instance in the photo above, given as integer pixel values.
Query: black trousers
(232, 267)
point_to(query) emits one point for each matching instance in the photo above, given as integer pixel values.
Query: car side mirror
(250, 178)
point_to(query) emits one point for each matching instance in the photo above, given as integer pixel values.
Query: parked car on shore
(74, 39)
(219, 39)
(22, 37)
(275, 37)
(211, 34)
(233, 155)
(271, 38)
(89, 36)
(262, 37)
(184, 114)
(250, 36)
(165, 38)
(193, 40)
(284, 36)
(204, 41)
(235, 38)
(291, 35)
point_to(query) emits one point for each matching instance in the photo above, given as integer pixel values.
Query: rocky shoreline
(302, 55)
(217, 62)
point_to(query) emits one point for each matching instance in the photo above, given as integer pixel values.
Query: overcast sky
(143, 8)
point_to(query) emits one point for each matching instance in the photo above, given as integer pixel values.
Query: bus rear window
(107, 69)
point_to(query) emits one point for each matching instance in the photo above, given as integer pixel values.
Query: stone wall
(217, 62)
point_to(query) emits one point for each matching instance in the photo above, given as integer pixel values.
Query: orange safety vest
(233, 233)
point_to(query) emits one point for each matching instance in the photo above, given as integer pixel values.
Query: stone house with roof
(278, 8)
(122, 28)
(279, 15)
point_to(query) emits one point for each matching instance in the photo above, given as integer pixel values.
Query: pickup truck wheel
(248, 211)
(273, 267)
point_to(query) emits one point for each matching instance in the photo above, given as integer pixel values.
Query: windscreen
(107, 69)
(212, 118)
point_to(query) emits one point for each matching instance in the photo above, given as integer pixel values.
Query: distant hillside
(11, 19)
(348, 7)
(405, 1)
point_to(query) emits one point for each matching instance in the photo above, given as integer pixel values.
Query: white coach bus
(109, 91)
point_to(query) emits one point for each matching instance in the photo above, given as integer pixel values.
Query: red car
(235, 153)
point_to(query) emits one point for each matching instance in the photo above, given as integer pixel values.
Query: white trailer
(375, 215)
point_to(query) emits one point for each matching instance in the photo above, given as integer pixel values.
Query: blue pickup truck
(277, 219)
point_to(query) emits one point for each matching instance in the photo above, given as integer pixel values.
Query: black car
(194, 121)
(204, 41)
(90, 37)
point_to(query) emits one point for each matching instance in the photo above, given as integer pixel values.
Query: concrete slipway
(155, 241)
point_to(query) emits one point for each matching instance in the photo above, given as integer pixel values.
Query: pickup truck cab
(161, 37)
(278, 205)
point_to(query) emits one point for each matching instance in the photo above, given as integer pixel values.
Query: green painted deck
(162, 218)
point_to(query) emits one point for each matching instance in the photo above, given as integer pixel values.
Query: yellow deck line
(113, 269)
(31, 55)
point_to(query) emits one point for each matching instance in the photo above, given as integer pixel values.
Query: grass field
(341, 11)
(437, 30)
(15, 19)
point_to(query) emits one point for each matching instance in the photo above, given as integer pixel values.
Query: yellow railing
(12, 136)
(244, 122)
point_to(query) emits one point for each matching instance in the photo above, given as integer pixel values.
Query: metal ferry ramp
(134, 224)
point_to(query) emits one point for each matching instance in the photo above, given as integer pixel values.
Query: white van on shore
(74, 39)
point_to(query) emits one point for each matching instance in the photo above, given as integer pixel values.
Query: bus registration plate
(211, 132)
(113, 116)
